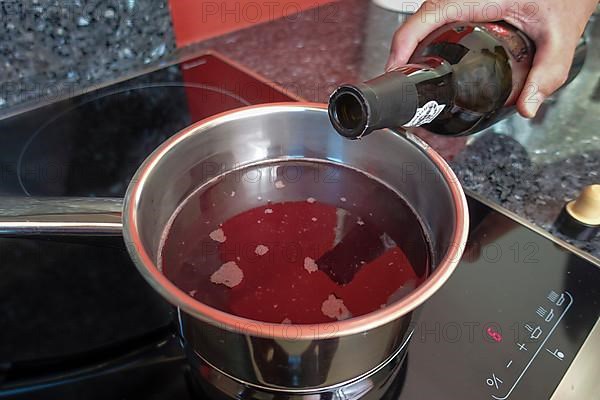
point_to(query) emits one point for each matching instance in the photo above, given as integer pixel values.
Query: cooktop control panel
(509, 322)
(534, 337)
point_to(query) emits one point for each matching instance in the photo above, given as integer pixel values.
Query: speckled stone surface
(529, 167)
(48, 48)
(499, 168)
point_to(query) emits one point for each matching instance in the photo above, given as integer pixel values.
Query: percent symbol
(494, 381)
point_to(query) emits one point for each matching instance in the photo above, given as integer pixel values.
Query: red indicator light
(496, 336)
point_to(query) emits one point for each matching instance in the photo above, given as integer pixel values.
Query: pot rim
(230, 322)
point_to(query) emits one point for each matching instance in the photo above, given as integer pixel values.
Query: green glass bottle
(461, 79)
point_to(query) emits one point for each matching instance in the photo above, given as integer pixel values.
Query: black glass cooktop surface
(76, 320)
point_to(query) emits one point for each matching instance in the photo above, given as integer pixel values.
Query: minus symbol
(509, 364)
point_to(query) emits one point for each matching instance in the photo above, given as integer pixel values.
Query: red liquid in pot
(296, 242)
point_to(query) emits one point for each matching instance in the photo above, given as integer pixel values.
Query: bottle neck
(395, 98)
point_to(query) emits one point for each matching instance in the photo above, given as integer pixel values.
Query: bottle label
(426, 114)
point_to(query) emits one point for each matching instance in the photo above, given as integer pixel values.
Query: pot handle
(63, 216)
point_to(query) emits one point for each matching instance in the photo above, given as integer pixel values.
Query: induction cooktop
(517, 320)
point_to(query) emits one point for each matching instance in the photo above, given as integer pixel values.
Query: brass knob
(586, 208)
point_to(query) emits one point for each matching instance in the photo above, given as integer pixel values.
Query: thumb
(548, 73)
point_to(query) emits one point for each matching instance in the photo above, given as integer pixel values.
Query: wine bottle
(461, 79)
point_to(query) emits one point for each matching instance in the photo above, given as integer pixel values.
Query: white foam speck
(218, 235)
(335, 308)
(232, 194)
(387, 241)
(279, 184)
(229, 274)
(311, 200)
(192, 293)
(261, 250)
(390, 264)
(286, 321)
(310, 265)
(259, 221)
(259, 198)
(343, 199)
(360, 221)
(269, 211)
(313, 219)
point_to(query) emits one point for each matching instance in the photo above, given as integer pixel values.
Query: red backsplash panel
(227, 85)
(196, 20)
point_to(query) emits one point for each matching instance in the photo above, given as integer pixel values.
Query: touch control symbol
(509, 364)
(550, 316)
(522, 347)
(537, 332)
(555, 298)
(494, 381)
(541, 311)
(557, 353)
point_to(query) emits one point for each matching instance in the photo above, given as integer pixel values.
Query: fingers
(549, 72)
(432, 15)
(410, 34)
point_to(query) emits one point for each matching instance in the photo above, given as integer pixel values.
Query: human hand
(555, 26)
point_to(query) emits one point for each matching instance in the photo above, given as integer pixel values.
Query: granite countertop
(55, 47)
(528, 167)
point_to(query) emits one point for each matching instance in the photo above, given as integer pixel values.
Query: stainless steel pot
(236, 356)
